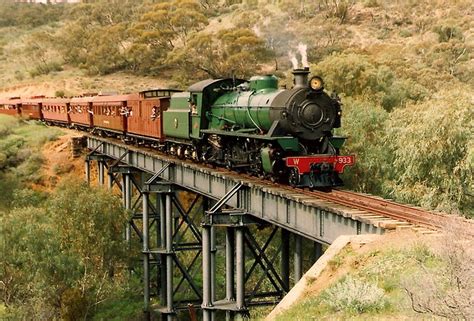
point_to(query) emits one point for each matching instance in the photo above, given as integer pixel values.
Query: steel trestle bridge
(223, 214)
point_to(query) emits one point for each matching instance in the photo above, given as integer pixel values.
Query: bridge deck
(288, 208)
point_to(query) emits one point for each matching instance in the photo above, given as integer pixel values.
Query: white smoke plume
(304, 56)
(293, 59)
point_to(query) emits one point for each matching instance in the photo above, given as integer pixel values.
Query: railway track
(383, 207)
(391, 209)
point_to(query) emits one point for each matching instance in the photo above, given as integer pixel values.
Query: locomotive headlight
(316, 83)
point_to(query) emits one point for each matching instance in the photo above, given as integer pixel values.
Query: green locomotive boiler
(255, 127)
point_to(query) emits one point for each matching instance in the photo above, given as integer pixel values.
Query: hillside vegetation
(419, 278)
(404, 70)
(62, 252)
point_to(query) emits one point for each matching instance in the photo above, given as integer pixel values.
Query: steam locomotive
(247, 126)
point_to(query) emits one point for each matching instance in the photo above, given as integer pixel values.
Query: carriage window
(150, 94)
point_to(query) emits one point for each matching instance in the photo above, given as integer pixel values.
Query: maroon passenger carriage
(80, 112)
(110, 113)
(145, 111)
(31, 107)
(139, 116)
(10, 106)
(55, 111)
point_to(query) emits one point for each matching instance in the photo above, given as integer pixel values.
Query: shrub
(445, 289)
(358, 75)
(45, 68)
(448, 32)
(355, 296)
(59, 93)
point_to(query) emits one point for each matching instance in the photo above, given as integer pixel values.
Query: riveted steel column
(127, 190)
(206, 272)
(159, 258)
(101, 166)
(163, 288)
(317, 251)
(229, 269)
(111, 180)
(285, 258)
(146, 256)
(240, 268)
(298, 258)
(87, 165)
(229, 264)
(169, 257)
(213, 264)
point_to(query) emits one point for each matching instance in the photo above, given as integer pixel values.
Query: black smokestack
(301, 77)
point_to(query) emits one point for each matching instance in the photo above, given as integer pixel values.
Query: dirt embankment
(58, 161)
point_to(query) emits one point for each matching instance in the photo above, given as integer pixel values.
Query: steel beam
(146, 256)
(87, 165)
(163, 287)
(317, 251)
(110, 180)
(213, 264)
(206, 273)
(298, 213)
(127, 195)
(229, 269)
(229, 263)
(285, 259)
(240, 268)
(298, 258)
(169, 257)
(101, 174)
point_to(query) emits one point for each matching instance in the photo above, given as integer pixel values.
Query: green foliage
(433, 152)
(125, 306)
(29, 15)
(448, 32)
(96, 37)
(28, 197)
(229, 51)
(37, 47)
(357, 75)
(365, 124)
(79, 212)
(45, 69)
(20, 158)
(59, 93)
(164, 27)
(61, 257)
(7, 123)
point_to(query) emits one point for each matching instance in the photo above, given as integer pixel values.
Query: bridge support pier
(177, 236)
(240, 269)
(206, 273)
(285, 258)
(87, 166)
(110, 181)
(229, 269)
(101, 172)
(317, 251)
(127, 203)
(245, 286)
(298, 258)
(146, 256)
